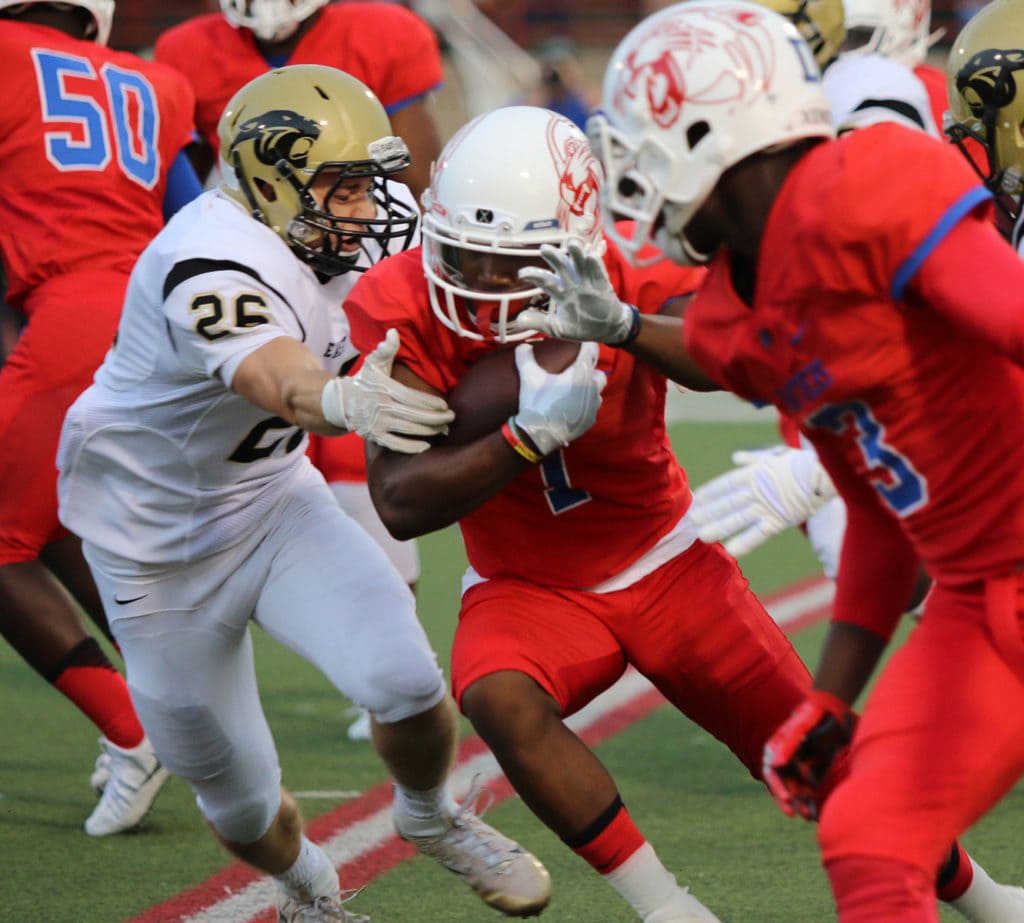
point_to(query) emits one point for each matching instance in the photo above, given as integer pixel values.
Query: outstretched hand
(582, 302)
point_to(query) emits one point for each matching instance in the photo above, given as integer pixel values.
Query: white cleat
(498, 869)
(321, 910)
(685, 909)
(101, 771)
(134, 779)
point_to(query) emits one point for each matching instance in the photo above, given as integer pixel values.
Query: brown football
(488, 393)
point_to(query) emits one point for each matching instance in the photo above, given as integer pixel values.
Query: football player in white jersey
(182, 469)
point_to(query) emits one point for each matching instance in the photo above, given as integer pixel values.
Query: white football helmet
(896, 29)
(102, 12)
(269, 20)
(689, 92)
(509, 181)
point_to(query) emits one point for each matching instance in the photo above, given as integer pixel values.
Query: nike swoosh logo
(134, 599)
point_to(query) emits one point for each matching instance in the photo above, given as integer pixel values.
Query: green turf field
(710, 822)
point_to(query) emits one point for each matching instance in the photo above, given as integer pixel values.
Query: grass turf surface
(709, 821)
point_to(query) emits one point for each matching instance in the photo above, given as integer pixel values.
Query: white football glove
(556, 408)
(768, 492)
(374, 405)
(582, 303)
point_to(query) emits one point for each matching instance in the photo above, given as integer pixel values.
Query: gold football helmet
(291, 126)
(820, 22)
(985, 84)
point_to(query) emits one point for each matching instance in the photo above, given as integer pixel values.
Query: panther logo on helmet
(280, 135)
(987, 79)
(652, 72)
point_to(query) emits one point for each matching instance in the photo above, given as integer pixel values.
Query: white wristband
(332, 404)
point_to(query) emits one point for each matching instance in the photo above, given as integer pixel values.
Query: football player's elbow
(401, 518)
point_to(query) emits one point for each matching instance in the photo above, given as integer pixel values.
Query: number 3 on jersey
(83, 141)
(900, 486)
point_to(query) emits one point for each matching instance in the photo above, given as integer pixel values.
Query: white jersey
(866, 89)
(160, 461)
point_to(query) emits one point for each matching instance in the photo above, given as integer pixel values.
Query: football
(488, 393)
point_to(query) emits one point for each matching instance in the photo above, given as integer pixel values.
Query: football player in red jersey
(583, 560)
(91, 147)
(220, 52)
(861, 339)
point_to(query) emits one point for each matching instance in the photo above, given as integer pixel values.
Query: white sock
(987, 901)
(643, 881)
(423, 813)
(311, 875)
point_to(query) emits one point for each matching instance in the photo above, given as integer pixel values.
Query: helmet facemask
(269, 20)
(475, 288)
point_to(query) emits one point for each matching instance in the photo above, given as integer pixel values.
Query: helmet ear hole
(696, 133)
(266, 189)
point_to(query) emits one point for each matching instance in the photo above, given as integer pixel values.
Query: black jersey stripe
(899, 106)
(189, 269)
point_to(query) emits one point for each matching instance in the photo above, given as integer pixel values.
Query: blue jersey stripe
(965, 204)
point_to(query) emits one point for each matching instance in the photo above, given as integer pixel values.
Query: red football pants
(940, 742)
(693, 627)
(72, 323)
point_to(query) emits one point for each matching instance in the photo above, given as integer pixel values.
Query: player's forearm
(848, 658)
(302, 398)
(418, 494)
(659, 343)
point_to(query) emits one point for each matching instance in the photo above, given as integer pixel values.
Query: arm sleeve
(975, 279)
(877, 565)
(182, 185)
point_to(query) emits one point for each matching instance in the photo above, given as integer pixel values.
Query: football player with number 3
(91, 147)
(182, 468)
(571, 503)
(860, 340)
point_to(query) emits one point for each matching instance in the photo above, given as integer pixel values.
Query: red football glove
(798, 755)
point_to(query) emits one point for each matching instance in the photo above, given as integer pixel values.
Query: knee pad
(237, 790)
(238, 819)
(407, 683)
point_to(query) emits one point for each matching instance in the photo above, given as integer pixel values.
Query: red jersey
(338, 458)
(934, 81)
(889, 391)
(389, 48)
(87, 135)
(587, 511)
